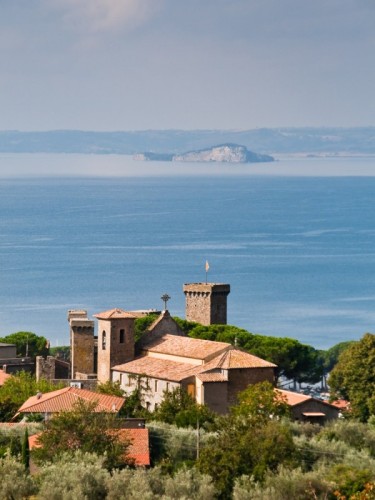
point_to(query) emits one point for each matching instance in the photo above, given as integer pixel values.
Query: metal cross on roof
(165, 299)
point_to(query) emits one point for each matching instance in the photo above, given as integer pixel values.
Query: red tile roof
(212, 377)
(3, 377)
(64, 399)
(115, 314)
(163, 369)
(139, 449)
(235, 358)
(342, 404)
(293, 398)
(186, 347)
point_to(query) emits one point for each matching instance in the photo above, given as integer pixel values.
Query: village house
(306, 408)
(64, 400)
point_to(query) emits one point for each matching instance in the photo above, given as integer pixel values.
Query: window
(104, 340)
(156, 386)
(167, 386)
(122, 336)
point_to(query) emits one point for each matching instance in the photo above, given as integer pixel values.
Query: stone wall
(239, 379)
(216, 396)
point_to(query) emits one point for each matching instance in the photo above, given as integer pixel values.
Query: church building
(213, 373)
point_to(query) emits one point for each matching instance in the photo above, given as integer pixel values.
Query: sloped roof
(235, 358)
(115, 313)
(139, 449)
(185, 346)
(163, 369)
(295, 398)
(3, 377)
(212, 377)
(64, 400)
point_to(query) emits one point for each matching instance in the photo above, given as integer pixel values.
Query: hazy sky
(142, 64)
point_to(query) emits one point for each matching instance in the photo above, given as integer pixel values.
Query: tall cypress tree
(25, 454)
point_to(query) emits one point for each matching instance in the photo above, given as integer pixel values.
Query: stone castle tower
(81, 342)
(206, 303)
(115, 340)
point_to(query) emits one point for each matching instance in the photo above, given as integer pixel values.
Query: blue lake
(295, 239)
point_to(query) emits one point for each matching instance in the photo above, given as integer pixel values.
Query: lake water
(295, 239)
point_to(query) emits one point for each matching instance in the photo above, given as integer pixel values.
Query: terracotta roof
(293, 398)
(115, 314)
(185, 346)
(64, 399)
(235, 358)
(3, 377)
(139, 449)
(163, 369)
(342, 404)
(212, 377)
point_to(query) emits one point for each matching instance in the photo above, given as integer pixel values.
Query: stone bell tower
(115, 340)
(206, 303)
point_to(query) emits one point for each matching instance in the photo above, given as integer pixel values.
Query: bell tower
(115, 341)
(206, 303)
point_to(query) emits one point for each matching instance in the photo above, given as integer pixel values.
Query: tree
(25, 452)
(15, 481)
(73, 476)
(61, 352)
(259, 403)
(17, 389)
(83, 429)
(353, 377)
(110, 388)
(141, 324)
(250, 440)
(28, 344)
(179, 408)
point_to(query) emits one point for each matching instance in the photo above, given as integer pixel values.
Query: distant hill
(333, 140)
(223, 153)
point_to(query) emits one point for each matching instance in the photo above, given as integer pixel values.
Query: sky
(186, 64)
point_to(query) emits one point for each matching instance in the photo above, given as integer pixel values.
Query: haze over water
(294, 238)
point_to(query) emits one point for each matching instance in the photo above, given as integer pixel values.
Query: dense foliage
(83, 429)
(27, 344)
(17, 389)
(353, 377)
(179, 408)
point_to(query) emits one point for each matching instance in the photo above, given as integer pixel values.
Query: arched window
(104, 340)
(122, 336)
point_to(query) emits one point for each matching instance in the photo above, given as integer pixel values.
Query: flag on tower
(207, 266)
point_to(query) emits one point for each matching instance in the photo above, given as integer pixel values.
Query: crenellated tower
(81, 342)
(206, 303)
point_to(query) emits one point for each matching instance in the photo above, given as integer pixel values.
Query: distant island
(223, 153)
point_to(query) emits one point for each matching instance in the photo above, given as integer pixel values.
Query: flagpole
(207, 267)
